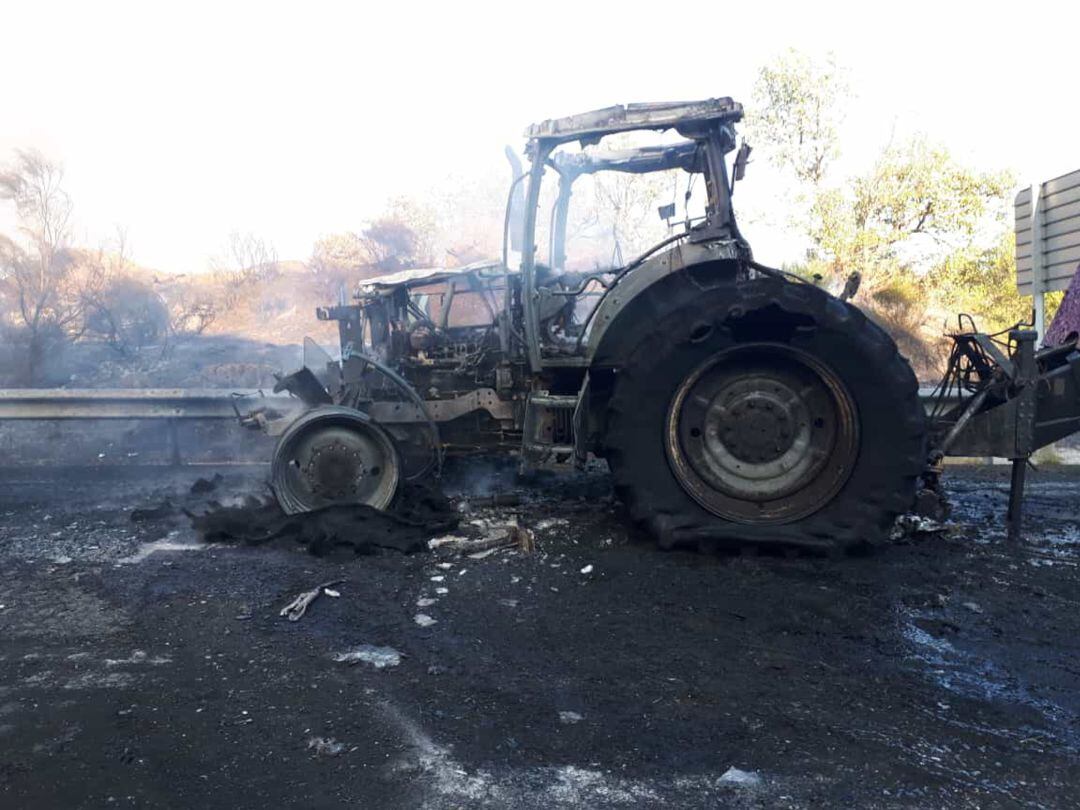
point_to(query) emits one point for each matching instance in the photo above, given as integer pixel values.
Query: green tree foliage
(796, 114)
(914, 206)
(982, 283)
(928, 234)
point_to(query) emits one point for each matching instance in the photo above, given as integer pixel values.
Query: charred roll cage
(733, 402)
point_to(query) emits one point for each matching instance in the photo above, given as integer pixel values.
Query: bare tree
(626, 205)
(796, 114)
(338, 253)
(190, 309)
(38, 266)
(190, 313)
(247, 260)
(120, 308)
(336, 262)
(404, 236)
(390, 245)
(613, 215)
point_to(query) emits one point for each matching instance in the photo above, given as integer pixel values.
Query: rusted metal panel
(442, 410)
(548, 432)
(621, 118)
(646, 274)
(427, 275)
(1049, 412)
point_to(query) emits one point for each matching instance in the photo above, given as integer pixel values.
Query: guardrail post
(173, 432)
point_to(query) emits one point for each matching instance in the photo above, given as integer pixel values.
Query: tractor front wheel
(334, 455)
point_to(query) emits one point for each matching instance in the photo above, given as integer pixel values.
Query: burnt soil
(141, 668)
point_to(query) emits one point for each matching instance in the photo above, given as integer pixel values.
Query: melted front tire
(764, 413)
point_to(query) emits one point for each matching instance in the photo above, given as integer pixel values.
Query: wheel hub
(761, 433)
(760, 426)
(334, 470)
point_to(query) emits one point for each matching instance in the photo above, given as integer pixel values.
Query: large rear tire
(764, 413)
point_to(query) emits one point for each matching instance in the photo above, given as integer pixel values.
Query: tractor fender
(624, 315)
(629, 306)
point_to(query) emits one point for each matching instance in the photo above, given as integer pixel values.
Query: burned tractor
(732, 401)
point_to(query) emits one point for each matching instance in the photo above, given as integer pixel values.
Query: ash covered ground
(142, 668)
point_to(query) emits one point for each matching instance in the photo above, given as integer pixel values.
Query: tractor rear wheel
(764, 413)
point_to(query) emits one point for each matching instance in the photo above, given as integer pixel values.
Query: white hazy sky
(185, 121)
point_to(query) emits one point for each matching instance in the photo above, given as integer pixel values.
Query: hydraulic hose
(403, 385)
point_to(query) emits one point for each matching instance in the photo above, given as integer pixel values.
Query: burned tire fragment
(763, 413)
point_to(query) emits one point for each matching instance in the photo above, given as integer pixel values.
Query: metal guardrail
(150, 403)
(175, 406)
(129, 403)
(172, 406)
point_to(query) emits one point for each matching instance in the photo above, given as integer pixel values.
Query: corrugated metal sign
(1048, 245)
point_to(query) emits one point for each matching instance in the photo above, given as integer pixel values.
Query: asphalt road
(140, 668)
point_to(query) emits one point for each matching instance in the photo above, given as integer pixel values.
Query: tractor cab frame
(709, 135)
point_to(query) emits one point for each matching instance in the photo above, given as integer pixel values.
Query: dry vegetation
(929, 236)
(70, 315)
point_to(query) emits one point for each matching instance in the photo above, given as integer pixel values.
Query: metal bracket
(1024, 437)
(442, 410)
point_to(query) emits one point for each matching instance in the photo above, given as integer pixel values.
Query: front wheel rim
(331, 456)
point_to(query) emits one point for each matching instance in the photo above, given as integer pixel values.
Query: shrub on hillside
(128, 315)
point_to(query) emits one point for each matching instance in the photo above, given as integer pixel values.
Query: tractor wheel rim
(762, 433)
(331, 458)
